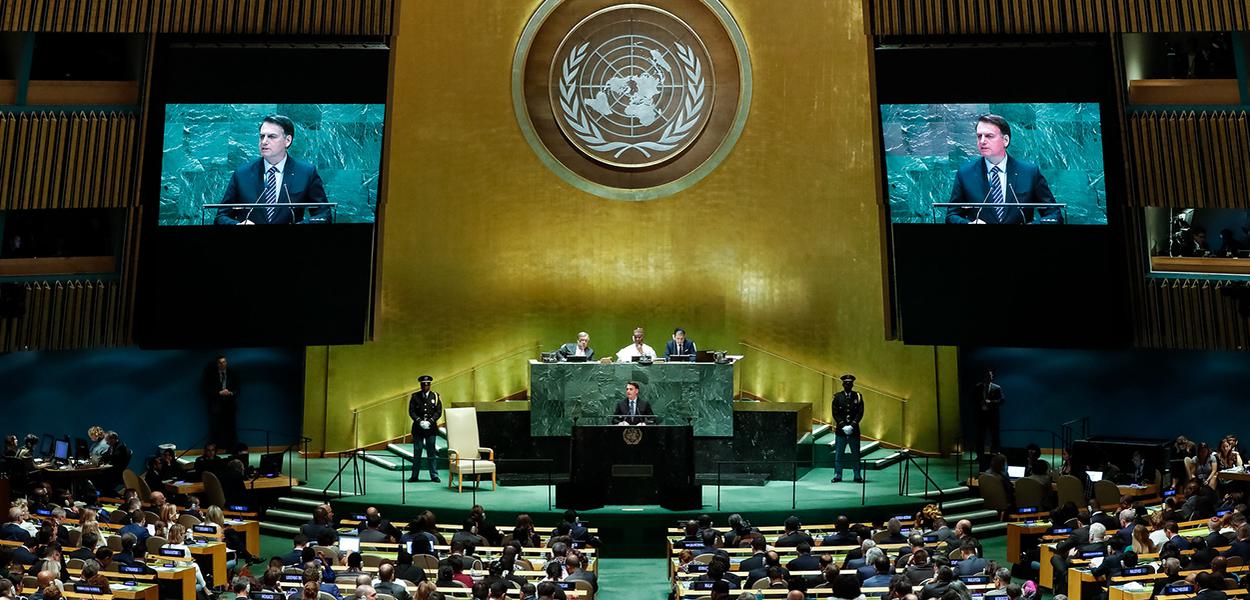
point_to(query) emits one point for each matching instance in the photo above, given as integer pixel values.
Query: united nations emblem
(631, 90)
(631, 100)
(632, 435)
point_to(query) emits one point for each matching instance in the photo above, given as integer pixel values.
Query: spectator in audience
(86, 546)
(468, 534)
(804, 561)
(423, 541)
(1201, 556)
(117, 458)
(524, 532)
(498, 591)
(293, 557)
(554, 571)
(957, 590)
(685, 558)
(894, 532)
(1219, 568)
(177, 541)
(1240, 546)
(842, 534)
(1014, 591)
(366, 592)
(771, 559)
(1174, 536)
(91, 574)
(1227, 456)
(759, 546)
(915, 541)
(970, 563)
(490, 533)
(1127, 523)
(1002, 577)
(918, 567)
(13, 530)
(372, 531)
(407, 571)
(129, 554)
(1208, 587)
(577, 573)
(846, 587)
(963, 531)
(1203, 466)
(867, 569)
(446, 575)
(152, 474)
(739, 530)
(1141, 541)
(793, 534)
(691, 532)
(322, 522)
(885, 572)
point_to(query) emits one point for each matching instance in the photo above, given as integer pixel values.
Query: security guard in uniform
(425, 407)
(848, 410)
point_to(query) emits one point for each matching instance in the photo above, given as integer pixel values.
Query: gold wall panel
(483, 249)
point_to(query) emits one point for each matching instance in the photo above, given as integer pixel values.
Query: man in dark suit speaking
(632, 410)
(995, 178)
(276, 178)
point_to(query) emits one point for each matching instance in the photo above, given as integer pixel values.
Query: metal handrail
(390, 401)
(869, 388)
(490, 361)
(904, 485)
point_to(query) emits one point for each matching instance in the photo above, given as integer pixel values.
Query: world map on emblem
(633, 86)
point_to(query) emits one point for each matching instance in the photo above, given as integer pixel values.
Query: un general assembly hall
(624, 299)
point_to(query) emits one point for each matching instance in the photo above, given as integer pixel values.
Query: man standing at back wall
(275, 179)
(1001, 181)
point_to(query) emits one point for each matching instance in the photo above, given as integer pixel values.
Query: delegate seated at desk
(579, 348)
(632, 410)
(638, 348)
(679, 346)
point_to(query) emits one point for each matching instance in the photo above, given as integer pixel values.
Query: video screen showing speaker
(260, 215)
(270, 164)
(1001, 179)
(1026, 163)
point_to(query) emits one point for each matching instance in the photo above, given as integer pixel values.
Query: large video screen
(995, 163)
(270, 164)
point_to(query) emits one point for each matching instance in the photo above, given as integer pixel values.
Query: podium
(626, 464)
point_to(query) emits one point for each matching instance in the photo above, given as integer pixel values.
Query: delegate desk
(701, 393)
(260, 483)
(620, 464)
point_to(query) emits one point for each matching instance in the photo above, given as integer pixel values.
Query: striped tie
(996, 194)
(271, 193)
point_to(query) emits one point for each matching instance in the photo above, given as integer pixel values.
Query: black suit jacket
(804, 562)
(1210, 594)
(423, 407)
(848, 410)
(622, 412)
(793, 539)
(687, 348)
(754, 562)
(11, 532)
(82, 554)
(570, 349)
(211, 383)
(300, 183)
(1025, 185)
(1238, 548)
(1078, 537)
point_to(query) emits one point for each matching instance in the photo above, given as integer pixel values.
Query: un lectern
(626, 464)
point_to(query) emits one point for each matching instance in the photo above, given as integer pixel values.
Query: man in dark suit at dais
(1001, 181)
(268, 185)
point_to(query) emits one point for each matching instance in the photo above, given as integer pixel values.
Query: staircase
(958, 503)
(875, 456)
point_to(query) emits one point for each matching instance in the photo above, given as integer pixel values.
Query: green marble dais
(702, 392)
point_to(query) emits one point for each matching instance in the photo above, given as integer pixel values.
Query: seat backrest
(372, 560)
(705, 558)
(993, 492)
(1029, 492)
(583, 586)
(75, 564)
(131, 480)
(1235, 561)
(214, 495)
(154, 544)
(426, 561)
(1106, 493)
(386, 597)
(462, 435)
(188, 520)
(114, 543)
(145, 492)
(1070, 490)
(325, 596)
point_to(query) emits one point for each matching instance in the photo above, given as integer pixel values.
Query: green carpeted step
(278, 515)
(279, 529)
(315, 492)
(380, 461)
(299, 503)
